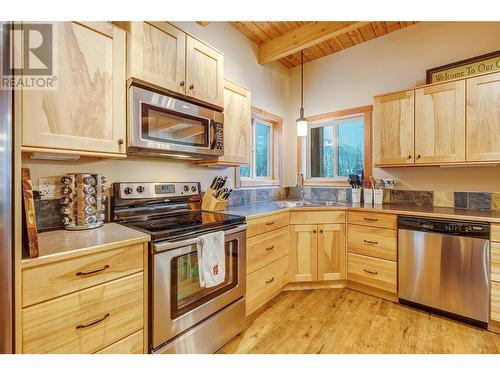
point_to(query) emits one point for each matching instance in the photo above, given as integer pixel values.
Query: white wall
(395, 61)
(270, 91)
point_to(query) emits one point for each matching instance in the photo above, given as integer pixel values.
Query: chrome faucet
(300, 185)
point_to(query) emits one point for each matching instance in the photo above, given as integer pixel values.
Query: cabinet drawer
(495, 233)
(374, 242)
(56, 279)
(132, 344)
(377, 273)
(266, 223)
(372, 219)
(317, 217)
(265, 283)
(266, 248)
(110, 312)
(495, 261)
(495, 301)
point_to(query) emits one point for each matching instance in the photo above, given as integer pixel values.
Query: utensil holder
(378, 196)
(367, 196)
(210, 203)
(356, 195)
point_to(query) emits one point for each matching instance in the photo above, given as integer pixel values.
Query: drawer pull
(370, 272)
(369, 219)
(371, 242)
(270, 248)
(270, 223)
(83, 273)
(270, 280)
(93, 322)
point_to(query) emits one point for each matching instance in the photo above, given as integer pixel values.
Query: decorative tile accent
(412, 197)
(460, 200)
(443, 199)
(242, 196)
(495, 201)
(479, 201)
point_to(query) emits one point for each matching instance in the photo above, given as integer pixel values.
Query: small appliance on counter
(82, 204)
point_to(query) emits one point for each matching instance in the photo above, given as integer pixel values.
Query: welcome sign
(461, 69)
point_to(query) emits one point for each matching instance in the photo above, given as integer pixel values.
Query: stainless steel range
(184, 317)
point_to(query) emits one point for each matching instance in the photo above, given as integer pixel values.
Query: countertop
(63, 244)
(256, 209)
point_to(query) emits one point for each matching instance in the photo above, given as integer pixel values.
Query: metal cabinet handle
(191, 87)
(182, 83)
(370, 272)
(371, 242)
(93, 322)
(270, 280)
(120, 141)
(369, 219)
(409, 156)
(314, 231)
(321, 231)
(270, 247)
(419, 156)
(83, 273)
(270, 223)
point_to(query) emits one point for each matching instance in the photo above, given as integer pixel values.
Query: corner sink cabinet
(436, 124)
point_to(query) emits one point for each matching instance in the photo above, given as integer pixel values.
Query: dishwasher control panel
(462, 228)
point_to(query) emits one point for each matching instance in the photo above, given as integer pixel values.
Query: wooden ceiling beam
(303, 37)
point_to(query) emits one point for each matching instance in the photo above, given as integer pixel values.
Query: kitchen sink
(290, 204)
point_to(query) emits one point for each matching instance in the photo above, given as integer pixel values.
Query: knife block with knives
(216, 196)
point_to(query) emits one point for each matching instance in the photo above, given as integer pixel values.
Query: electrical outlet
(47, 187)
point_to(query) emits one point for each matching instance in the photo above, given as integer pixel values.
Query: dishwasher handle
(450, 227)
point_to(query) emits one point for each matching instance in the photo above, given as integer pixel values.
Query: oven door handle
(160, 247)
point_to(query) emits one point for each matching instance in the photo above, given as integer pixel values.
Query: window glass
(322, 151)
(245, 171)
(350, 147)
(262, 150)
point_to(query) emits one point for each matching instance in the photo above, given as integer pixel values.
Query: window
(337, 144)
(266, 148)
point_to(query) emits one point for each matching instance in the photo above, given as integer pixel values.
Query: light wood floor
(346, 321)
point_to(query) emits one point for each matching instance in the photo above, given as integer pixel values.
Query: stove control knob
(127, 190)
(186, 188)
(140, 189)
(193, 188)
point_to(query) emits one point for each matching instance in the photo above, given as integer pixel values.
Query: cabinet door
(303, 253)
(393, 129)
(331, 252)
(483, 118)
(204, 72)
(86, 112)
(158, 54)
(440, 123)
(237, 124)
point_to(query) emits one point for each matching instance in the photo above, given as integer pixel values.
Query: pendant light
(302, 121)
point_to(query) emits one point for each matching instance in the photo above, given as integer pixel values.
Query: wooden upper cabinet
(440, 123)
(393, 128)
(483, 118)
(303, 253)
(331, 252)
(237, 125)
(86, 112)
(204, 72)
(158, 54)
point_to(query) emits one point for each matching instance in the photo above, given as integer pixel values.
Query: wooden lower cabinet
(303, 253)
(373, 272)
(85, 321)
(331, 252)
(264, 284)
(495, 302)
(132, 344)
(377, 242)
(266, 248)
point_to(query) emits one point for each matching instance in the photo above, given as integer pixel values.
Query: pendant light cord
(302, 83)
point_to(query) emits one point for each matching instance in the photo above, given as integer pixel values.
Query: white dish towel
(211, 259)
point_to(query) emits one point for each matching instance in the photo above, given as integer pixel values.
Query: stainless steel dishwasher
(444, 266)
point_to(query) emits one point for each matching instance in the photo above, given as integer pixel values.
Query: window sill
(259, 183)
(339, 183)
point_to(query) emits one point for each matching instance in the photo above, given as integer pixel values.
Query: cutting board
(30, 236)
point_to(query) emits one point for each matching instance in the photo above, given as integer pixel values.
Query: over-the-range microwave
(164, 125)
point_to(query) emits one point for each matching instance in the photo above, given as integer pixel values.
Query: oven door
(178, 301)
(161, 124)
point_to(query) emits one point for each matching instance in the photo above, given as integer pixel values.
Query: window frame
(276, 152)
(303, 143)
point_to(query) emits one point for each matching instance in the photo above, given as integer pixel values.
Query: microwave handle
(211, 135)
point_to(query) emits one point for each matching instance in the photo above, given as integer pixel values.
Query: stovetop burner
(181, 224)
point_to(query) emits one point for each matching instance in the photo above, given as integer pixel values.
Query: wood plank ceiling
(263, 31)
